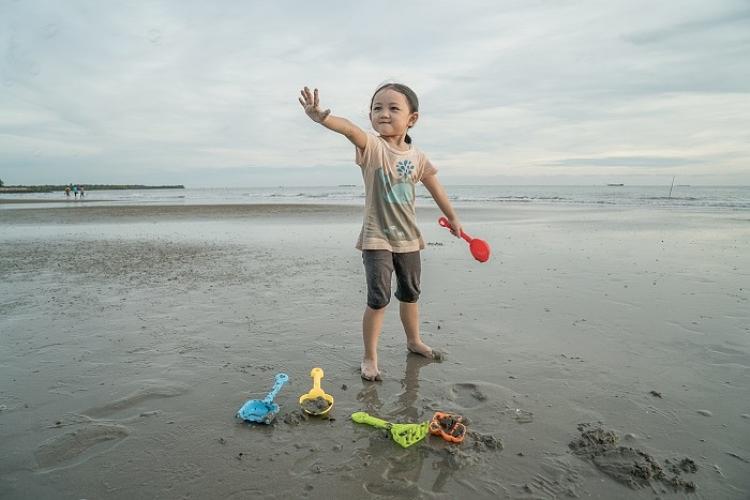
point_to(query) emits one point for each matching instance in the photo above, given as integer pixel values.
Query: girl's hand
(311, 104)
(455, 228)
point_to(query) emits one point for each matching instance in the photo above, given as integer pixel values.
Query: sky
(511, 92)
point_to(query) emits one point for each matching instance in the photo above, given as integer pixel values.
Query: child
(389, 240)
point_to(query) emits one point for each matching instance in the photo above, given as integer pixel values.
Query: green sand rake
(404, 434)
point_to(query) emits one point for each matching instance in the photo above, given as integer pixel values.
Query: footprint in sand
(153, 390)
(78, 446)
(472, 395)
(467, 395)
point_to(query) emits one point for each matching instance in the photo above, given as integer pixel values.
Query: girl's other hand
(455, 228)
(311, 103)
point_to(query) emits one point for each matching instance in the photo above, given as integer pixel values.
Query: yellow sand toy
(316, 402)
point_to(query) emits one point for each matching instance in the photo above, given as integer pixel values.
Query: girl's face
(390, 115)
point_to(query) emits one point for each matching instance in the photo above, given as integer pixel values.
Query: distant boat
(347, 185)
(615, 184)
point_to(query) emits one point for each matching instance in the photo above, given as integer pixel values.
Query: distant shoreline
(18, 201)
(49, 188)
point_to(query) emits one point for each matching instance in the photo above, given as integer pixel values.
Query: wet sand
(598, 354)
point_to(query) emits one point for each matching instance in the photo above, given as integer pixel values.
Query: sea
(720, 198)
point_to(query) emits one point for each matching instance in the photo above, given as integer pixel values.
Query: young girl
(390, 240)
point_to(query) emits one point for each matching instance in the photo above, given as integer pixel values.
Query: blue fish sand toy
(265, 410)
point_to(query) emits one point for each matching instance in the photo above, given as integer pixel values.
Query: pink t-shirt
(390, 177)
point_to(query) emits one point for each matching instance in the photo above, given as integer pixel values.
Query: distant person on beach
(75, 190)
(80, 190)
(67, 191)
(389, 240)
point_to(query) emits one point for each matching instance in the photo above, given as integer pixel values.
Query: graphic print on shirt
(400, 192)
(397, 196)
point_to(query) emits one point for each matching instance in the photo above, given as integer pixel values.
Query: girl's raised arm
(311, 104)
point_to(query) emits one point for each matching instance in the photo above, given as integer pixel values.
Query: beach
(595, 338)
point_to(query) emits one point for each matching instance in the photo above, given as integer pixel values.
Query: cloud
(191, 90)
(626, 161)
(730, 19)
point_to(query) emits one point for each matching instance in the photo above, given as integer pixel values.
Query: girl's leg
(378, 272)
(408, 267)
(410, 319)
(372, 324)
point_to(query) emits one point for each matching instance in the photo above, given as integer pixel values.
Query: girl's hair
(411, 98)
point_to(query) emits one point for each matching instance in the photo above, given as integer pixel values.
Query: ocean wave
(698, 197)
(676, 198)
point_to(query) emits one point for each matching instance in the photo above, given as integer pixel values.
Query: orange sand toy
(448, 426)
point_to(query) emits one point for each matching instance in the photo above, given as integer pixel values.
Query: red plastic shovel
(480, 249)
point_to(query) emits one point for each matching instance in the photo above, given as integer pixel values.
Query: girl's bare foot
(424, 350)
(369, 370)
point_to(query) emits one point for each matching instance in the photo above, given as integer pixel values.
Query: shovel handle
(281, 379)
(362, 417)
(444, 222)
(316, 374)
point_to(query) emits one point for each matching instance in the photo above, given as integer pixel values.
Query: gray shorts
(379, 267)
